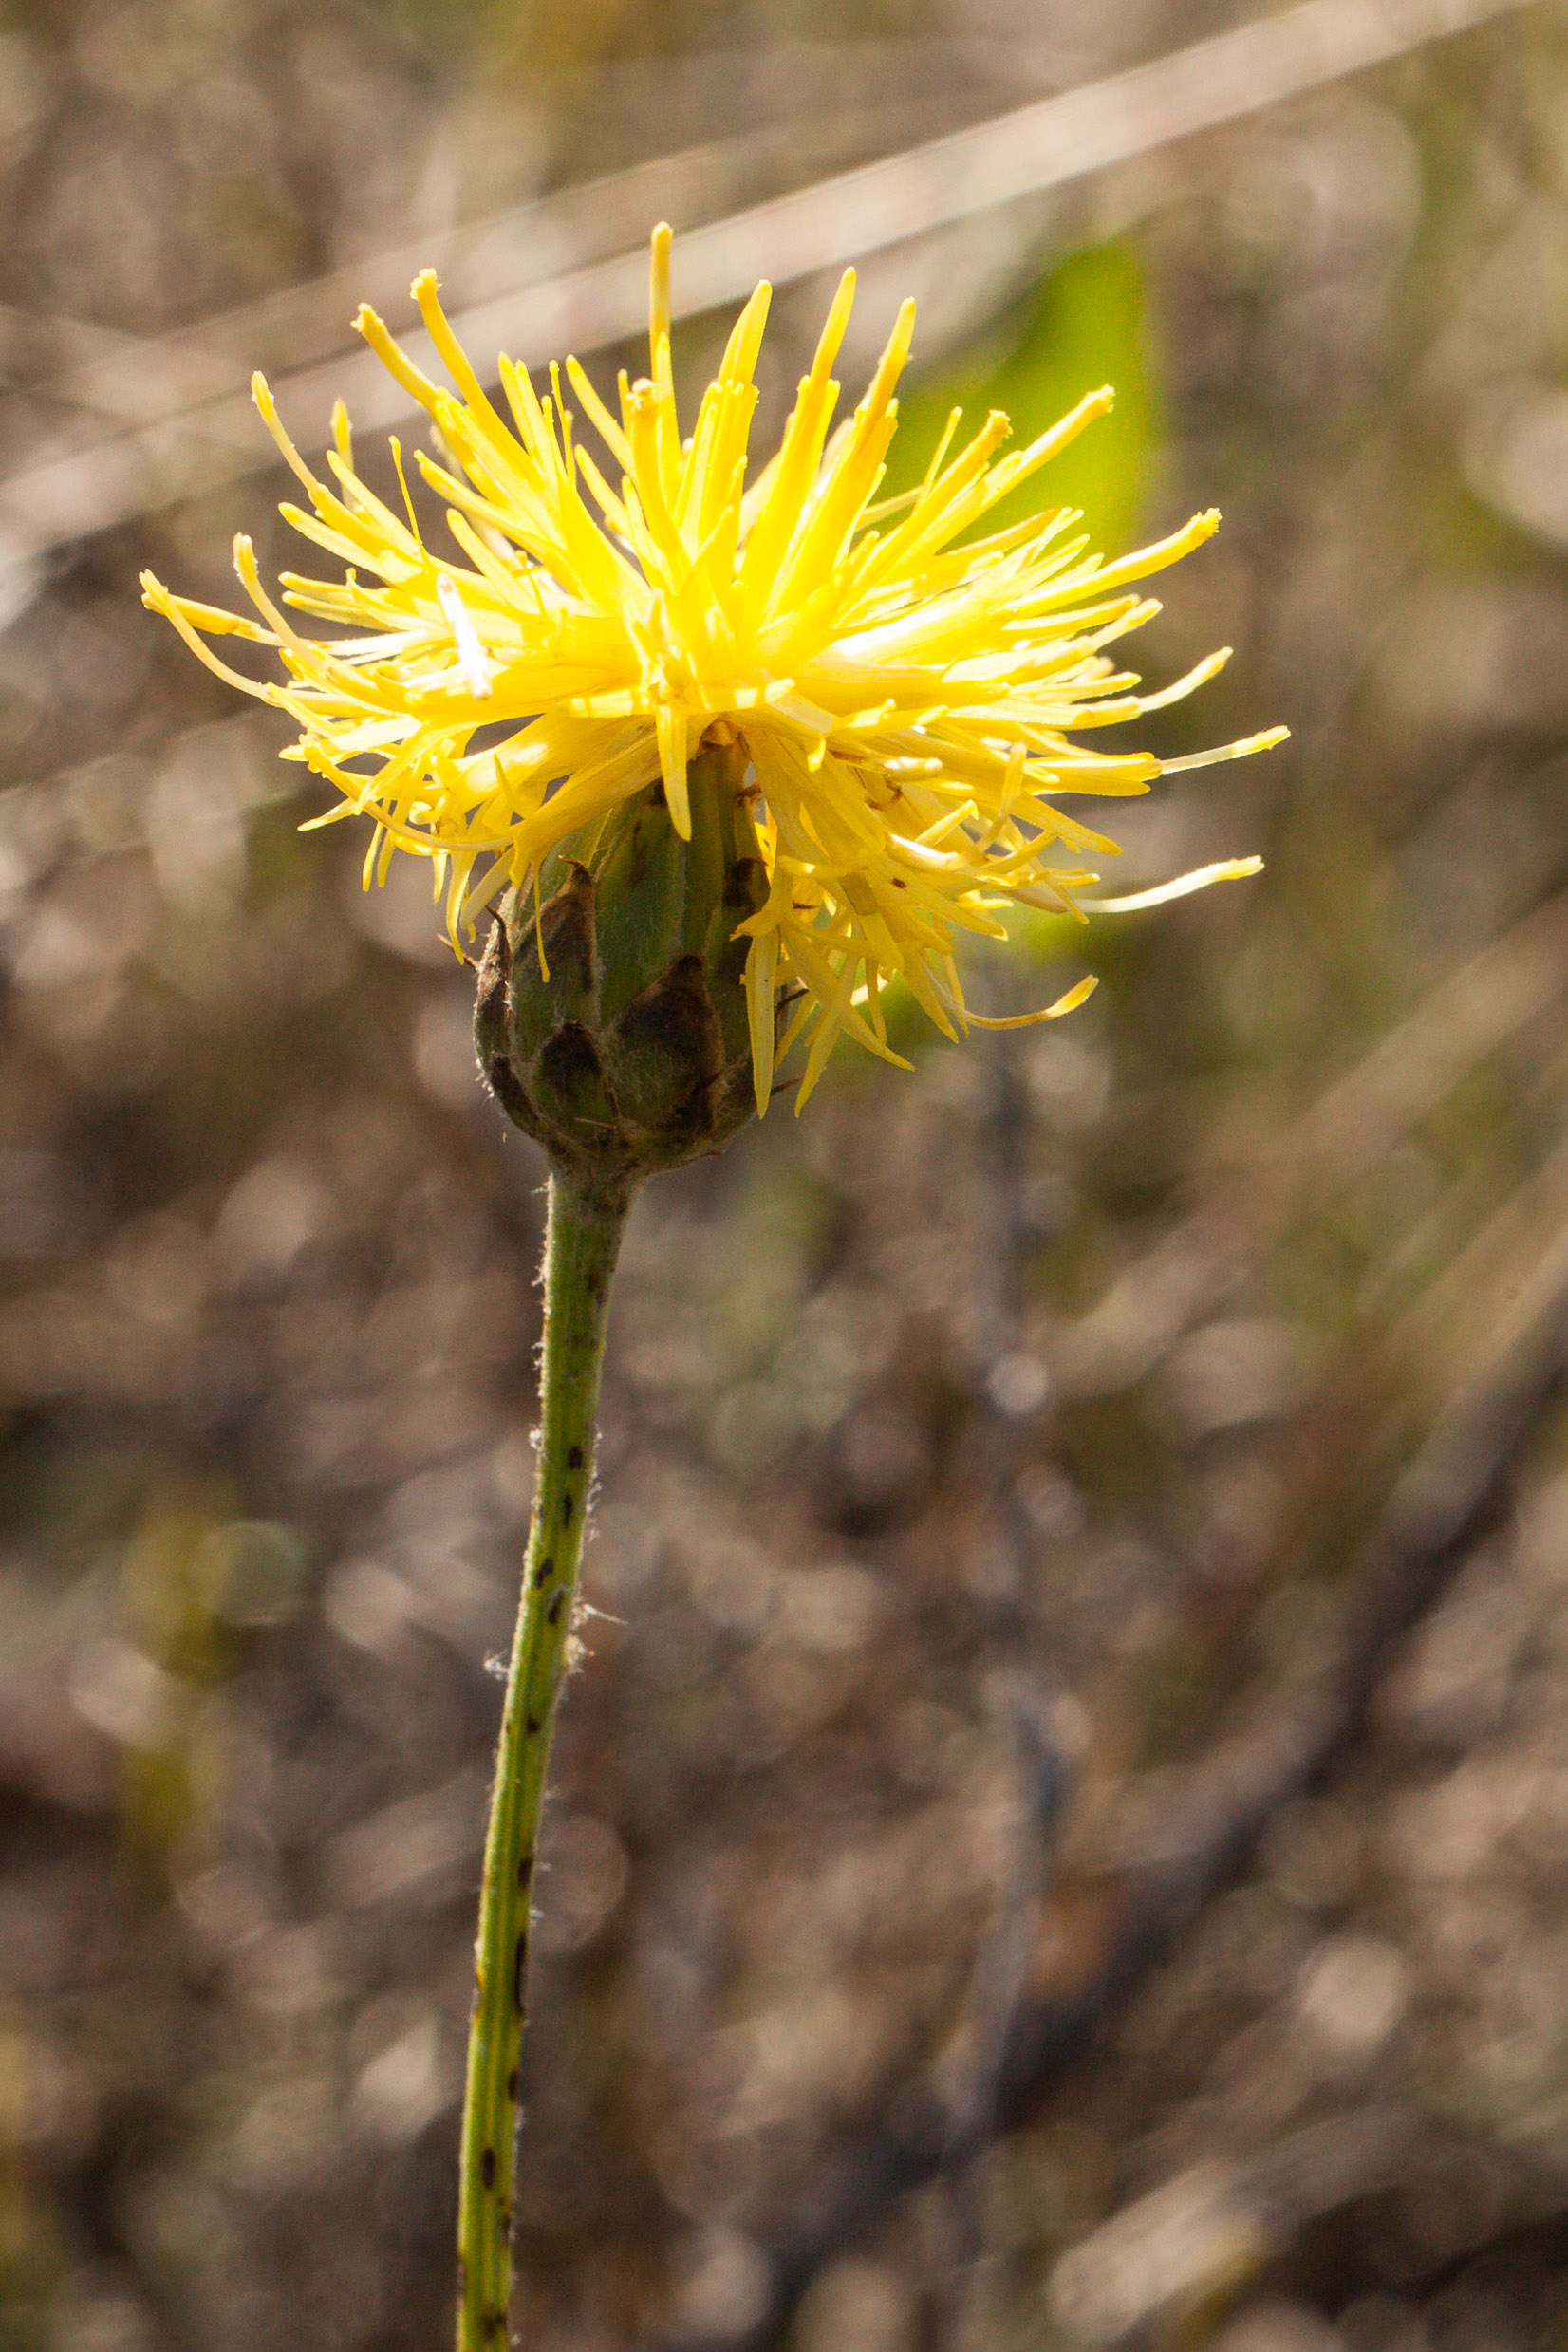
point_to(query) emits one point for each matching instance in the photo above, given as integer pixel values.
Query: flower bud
(611, 1018)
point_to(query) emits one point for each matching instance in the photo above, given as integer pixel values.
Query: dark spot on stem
(519, 1972)
(554, 1612)
(486, 2167)
(511, 2086)
(543, 1573)
(525, 1870)
(533, 1726)
(574, 1458)
(565, 1510)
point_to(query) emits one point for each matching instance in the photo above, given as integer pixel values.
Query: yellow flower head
(905, 703)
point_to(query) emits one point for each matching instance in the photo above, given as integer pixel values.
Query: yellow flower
(905, 703)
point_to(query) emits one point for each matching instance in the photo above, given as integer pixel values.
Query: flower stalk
(613, 1024)
(582, 1242)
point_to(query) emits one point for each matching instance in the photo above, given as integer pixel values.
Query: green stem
(581, 1245)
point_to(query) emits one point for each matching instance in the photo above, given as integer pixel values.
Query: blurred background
(1061, 1836)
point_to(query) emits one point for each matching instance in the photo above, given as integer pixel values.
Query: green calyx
(634, 1054)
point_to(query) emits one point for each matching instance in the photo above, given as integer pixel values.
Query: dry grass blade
(1352, 1126)
(1025, 153)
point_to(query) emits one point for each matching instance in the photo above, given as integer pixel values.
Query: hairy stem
(581, 1245)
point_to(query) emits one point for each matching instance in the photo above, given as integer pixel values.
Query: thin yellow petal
(1229, 870)
(670, 722)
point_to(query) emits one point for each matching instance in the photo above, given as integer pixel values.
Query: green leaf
(1086, 324)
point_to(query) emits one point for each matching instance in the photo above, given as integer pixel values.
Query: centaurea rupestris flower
(906, 695)
(734, 757)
